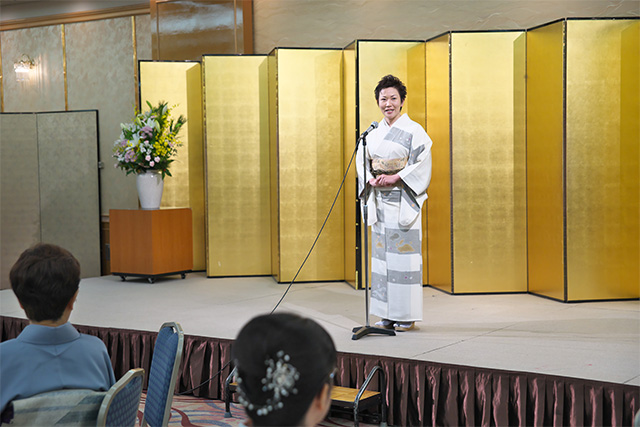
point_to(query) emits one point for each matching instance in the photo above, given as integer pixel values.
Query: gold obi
(387, 166)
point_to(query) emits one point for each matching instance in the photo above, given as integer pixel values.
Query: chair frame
(230, 387)
(358, 404)
(174, 374)
(114, 390)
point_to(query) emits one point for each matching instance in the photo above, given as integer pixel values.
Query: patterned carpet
(189, 411)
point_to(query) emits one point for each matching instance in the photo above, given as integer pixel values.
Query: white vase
(150, 185)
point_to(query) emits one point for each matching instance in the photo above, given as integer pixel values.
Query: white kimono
(394, 214)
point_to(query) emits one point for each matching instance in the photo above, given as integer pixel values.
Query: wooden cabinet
(151, 243)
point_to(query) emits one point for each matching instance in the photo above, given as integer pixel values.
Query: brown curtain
(428, 393)
(418, 392)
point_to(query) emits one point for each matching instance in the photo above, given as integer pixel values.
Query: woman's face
(390, 104)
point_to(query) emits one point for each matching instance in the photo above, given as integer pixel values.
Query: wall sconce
(23, 67)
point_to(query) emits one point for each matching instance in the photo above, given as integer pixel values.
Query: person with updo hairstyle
(285, 369)
(394, 183)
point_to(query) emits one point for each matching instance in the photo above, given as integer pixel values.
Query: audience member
(50, 354)
(286, 366)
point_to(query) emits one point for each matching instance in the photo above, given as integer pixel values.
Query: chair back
(67, 407)
(165, 363)
(120, 405)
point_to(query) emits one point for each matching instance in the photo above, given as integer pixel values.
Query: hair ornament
(279, 381)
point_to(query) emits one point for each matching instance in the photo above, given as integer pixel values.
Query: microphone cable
(206, 381)
(344, 177)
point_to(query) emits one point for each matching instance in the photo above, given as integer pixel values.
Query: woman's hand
(384, 180)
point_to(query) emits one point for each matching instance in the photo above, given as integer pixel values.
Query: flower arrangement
(149, 142)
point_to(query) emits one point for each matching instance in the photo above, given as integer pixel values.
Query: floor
(189, 411)
(518, 332)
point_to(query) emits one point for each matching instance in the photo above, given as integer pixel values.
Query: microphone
(369, 129)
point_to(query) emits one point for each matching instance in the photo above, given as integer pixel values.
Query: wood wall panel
(186, 30)
(93, 47)
(336, 23)
(44, 91)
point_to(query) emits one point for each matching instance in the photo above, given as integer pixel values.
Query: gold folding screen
(485, 153)
(583, 187)
(237, 165)
(307, 164)
(180, 84)
(539, 174)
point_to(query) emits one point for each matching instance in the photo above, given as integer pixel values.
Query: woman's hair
(44, 279)
(283, 361)
(391, 81)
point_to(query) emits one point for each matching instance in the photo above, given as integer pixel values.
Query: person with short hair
(50, 354)
(285, 369)
(394, 183)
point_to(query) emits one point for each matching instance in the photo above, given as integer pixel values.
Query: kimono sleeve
(364, 174)
(417, 174)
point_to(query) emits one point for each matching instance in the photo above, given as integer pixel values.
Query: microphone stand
(361, 331)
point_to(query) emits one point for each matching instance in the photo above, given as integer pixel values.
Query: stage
(523, 333)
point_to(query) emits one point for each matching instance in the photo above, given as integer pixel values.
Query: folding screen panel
(19, 189)
(50, 186)
(488, 201)
(180, 84)
(416, 103)
(69, 189)
(306, 163)
(545, 139)
(237, 165)
(438, 112)
(486, 160)
(374, 60)
(583, 156)
(602, 180)
(352, 218)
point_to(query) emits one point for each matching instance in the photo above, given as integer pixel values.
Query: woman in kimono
(398, 172)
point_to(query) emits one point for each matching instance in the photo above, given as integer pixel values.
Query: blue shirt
(43, 358)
